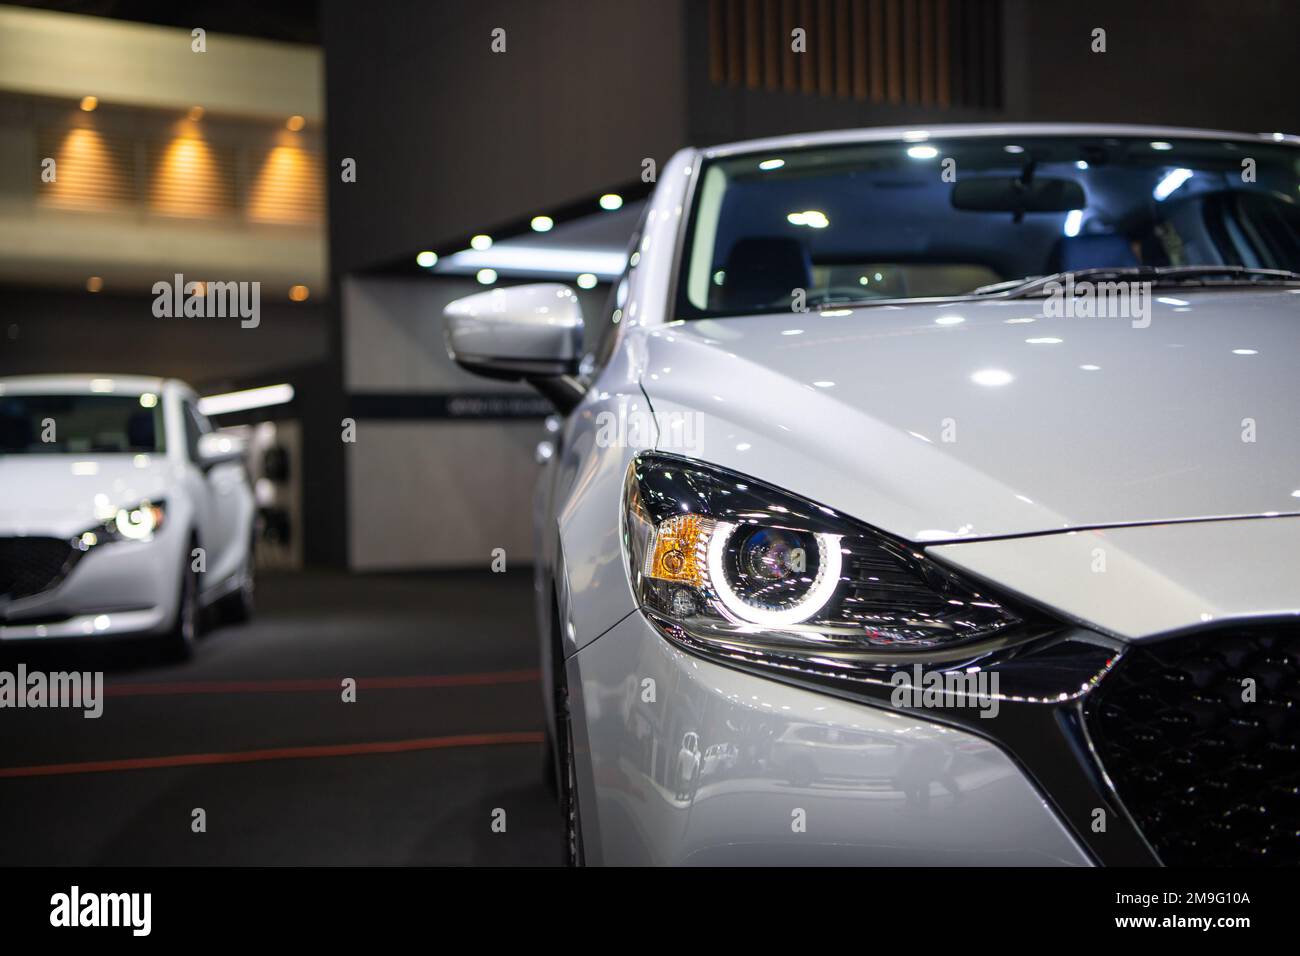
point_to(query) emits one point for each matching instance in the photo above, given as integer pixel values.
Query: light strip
(830, 563)
(503, 258)
(262, 397)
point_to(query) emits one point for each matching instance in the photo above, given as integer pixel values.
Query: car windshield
(80, 424)
(945, 217)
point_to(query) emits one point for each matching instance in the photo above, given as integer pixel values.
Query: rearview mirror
(530, 332)
(217, 449)
(1009, 194)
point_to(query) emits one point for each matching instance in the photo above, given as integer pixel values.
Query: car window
(855, 223)
(80, 424)
(602, 334)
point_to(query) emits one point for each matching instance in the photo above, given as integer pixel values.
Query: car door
(216, 505)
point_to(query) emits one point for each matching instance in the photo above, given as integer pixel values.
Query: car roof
(79, 384)
(972, 130)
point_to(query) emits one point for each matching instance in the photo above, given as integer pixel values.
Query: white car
(850, 424)
(121, 511)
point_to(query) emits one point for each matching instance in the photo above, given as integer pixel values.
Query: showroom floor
(445, 731)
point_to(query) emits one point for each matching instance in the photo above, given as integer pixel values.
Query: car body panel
(1163, 419)
(1151, 580)
(921, 793)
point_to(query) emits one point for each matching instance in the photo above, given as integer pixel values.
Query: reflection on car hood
(953, 420)
(55, 494)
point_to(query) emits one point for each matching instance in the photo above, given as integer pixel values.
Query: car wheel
(186, 625)
(239, 606)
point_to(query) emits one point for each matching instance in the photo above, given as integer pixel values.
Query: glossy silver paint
(721, 767)
(1150, 580)
(532, 328)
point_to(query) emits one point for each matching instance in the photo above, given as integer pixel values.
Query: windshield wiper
(1156, 275)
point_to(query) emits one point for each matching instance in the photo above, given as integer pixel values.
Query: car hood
(56, 494)
(966, 419)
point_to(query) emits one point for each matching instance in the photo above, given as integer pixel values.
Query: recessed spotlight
(299, 293)
(481, 242)
(427, 259)
(542, 223)
(196, 113)
(94, 284)
(1013, 148)
(486, 276)
(88, 103)
(611, 201)
(295, 123)
(1162, 146)
(587, 281)
(922, 152)
(769, 164)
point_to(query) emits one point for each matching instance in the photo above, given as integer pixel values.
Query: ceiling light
(295, 123)
(922, 152)
(246, 399)
(769, 164)
(611, 201)
(481, 242)
(427, 259)
(587, 281)
(486, 276)
(542, 223)
(88, 103)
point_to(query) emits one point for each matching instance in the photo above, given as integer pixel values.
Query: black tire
(237, 608)
(188, 622)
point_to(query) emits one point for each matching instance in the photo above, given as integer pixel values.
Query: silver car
(947, 482)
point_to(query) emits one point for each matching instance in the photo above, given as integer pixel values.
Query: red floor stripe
(280, 753)
(160, 688)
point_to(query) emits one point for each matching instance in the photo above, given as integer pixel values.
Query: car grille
(1210, 778)
(31, 565)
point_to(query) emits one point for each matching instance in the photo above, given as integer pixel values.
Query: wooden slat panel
(735, 37)
(876, 26)
(93, 170)
(753, 62)
(717, 43)
(858, 28)
(825, 50)
(771, 44)
(894, 51)
(926, 39)
(943, 46)
(789, 59)
(807, 70)
(843, 33)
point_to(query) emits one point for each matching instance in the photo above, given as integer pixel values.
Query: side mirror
(217, 449)
(530, 332)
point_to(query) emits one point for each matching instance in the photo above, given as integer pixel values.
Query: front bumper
(116, 589)
(684, 760)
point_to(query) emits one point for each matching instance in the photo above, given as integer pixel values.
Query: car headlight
(732, 563)
(136, 523)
